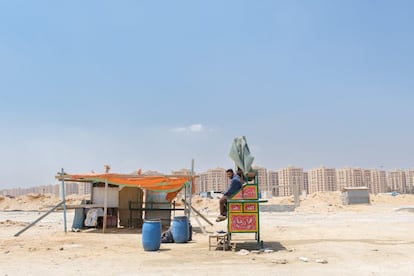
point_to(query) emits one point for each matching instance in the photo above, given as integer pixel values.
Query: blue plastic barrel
(151, 235)
(180, 229)
(78, 219)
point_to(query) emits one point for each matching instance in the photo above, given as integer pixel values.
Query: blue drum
(180, 229)
(151, 235)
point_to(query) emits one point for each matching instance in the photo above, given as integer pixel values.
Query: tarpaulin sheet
(171, 185)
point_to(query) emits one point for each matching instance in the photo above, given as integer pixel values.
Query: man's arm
(234, 187)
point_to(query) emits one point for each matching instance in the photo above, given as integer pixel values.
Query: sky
(152, 85)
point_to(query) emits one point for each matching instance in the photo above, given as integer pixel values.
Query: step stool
(217, 239)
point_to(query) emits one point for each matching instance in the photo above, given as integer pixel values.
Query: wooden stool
(215, 240)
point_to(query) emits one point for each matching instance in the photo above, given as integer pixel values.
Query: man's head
(230, 173)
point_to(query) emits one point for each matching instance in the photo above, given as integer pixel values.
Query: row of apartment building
(284, 182)
(70, 189)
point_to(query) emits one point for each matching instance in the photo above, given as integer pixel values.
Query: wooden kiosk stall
(243, 210)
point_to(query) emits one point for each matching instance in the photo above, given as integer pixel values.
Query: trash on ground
(243, 252)
(281, 261)
(321, 261)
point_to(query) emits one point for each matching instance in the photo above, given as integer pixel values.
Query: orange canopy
(169, 184)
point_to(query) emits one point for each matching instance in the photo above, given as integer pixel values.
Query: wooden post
(107, 168)
(191, 187)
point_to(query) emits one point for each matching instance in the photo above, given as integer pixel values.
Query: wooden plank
(198, 213)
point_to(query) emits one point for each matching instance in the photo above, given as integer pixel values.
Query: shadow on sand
(273, 245)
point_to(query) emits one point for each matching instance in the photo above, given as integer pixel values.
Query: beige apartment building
(217, 180)
(202, 183)
(305, 183)
(366, 178)
(48, 189)
(378, 182)
(410, 181)
(289, 179)
(397, 181)
(349, 177)
(276, 183)
(264, 187)
(273, 180)
(322, 180)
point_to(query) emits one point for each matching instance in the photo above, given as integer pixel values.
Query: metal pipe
(64, 200)
(37, 220)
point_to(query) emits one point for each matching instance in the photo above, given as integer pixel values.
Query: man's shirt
(235, 186)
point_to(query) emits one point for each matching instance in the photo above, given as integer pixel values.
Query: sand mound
(401, 199)
(8, 222)
(316, 202)
(200, 203)
(37, 202)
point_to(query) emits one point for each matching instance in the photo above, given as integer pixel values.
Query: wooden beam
(198, 213)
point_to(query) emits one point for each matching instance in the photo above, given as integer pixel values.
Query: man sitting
(235, 186)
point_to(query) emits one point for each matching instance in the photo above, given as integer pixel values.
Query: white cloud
(191, 128)
(196, 128)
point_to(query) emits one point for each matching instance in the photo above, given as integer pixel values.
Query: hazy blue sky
(153, 84)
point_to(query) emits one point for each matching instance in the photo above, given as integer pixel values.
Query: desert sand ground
(320, 237)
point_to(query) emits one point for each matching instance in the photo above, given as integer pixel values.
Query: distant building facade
(397, 181)
(378, 182)
(306, 182)
(289, 179)
(410, 181)
(264, 187)
(322, 180)
(181, 172)
(217, 180)
(275, 183)
(273, 179)
(349, 177)
(202, 183)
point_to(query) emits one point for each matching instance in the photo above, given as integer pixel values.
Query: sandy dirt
(320, 237)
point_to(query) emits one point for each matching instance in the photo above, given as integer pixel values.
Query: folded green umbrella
(240, 154)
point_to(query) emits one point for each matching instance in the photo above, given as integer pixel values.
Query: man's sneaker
(221, 218)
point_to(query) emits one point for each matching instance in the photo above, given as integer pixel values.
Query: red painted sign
(250, 207)
(236, 207)
(243, 223)
(248, 192)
